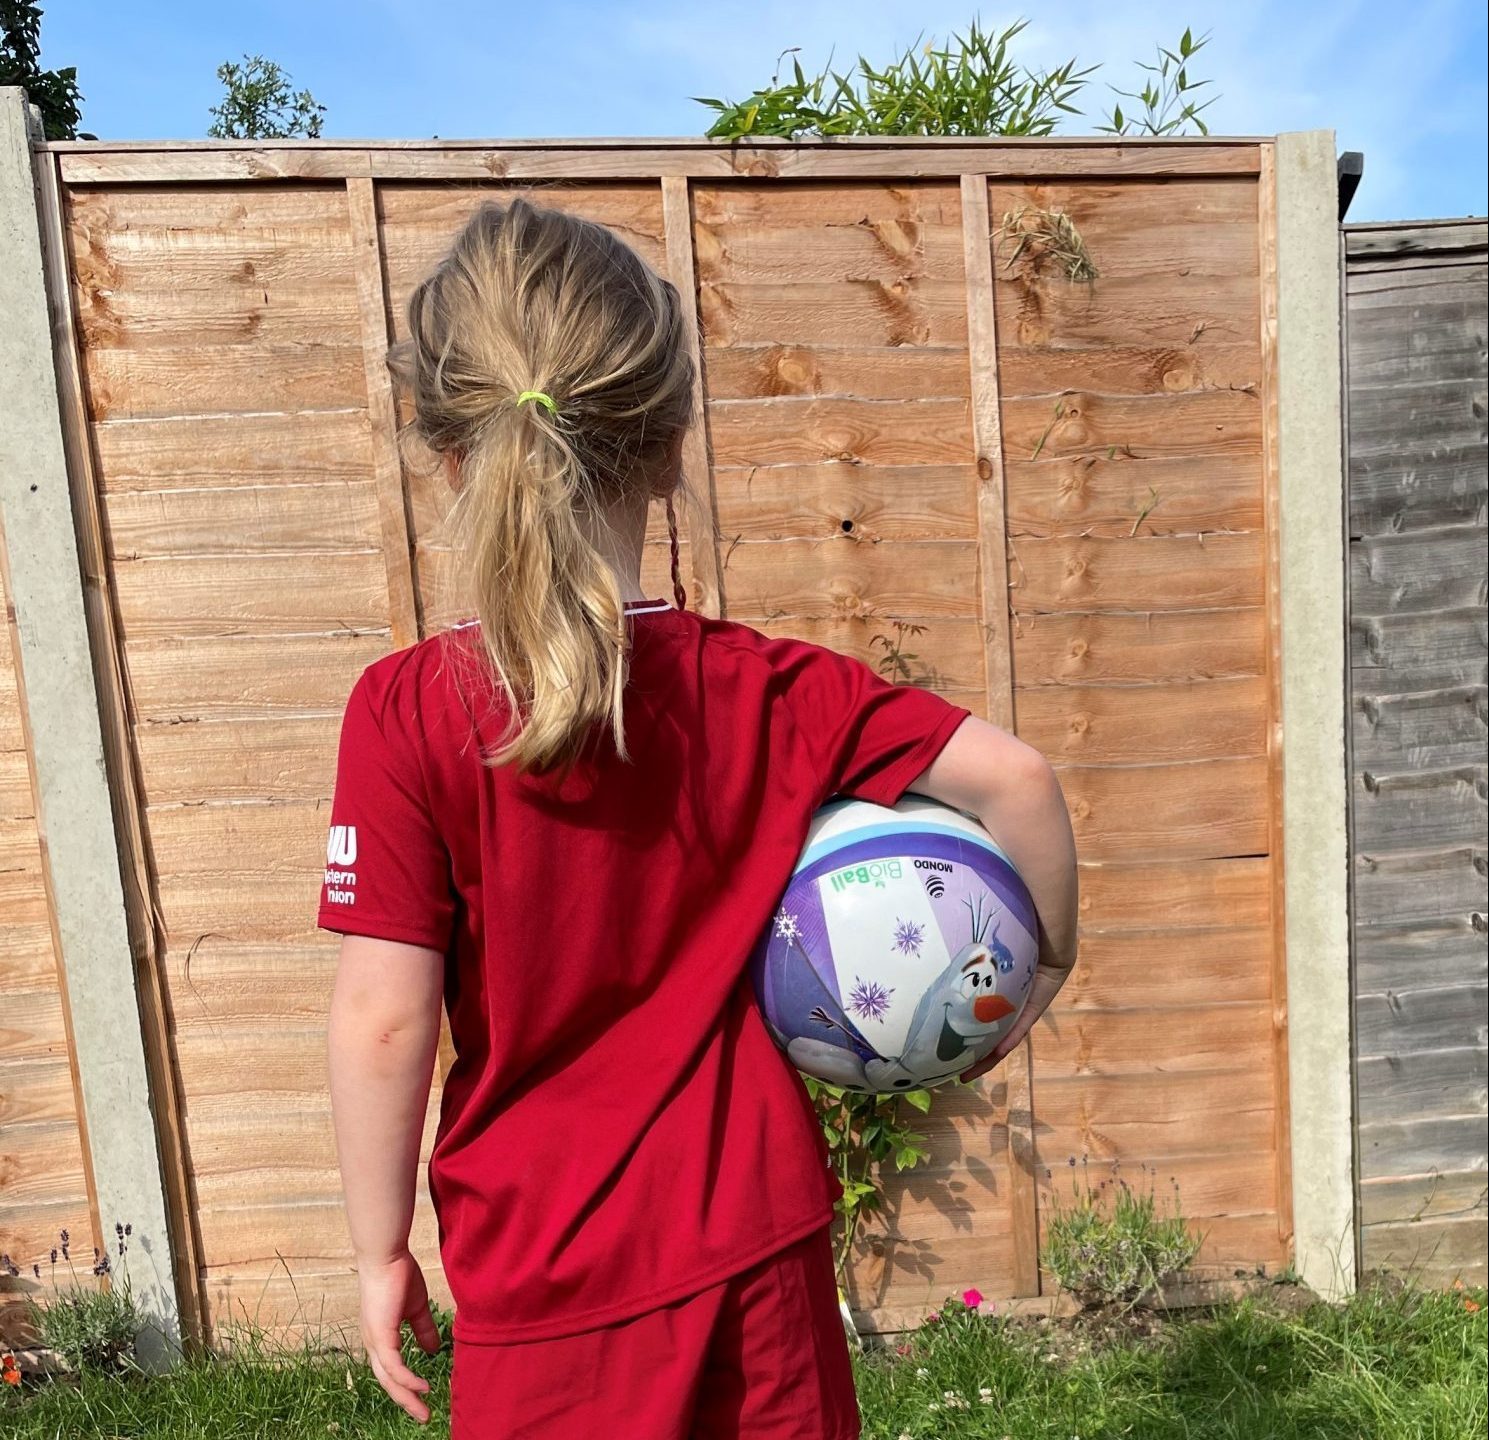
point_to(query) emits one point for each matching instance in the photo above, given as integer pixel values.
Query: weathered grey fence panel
(1415, 304)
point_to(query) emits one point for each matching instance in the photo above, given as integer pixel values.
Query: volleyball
(902, 951)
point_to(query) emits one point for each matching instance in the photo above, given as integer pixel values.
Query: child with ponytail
(566, 821)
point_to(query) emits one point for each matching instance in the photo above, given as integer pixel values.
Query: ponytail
(548, 603)
(536, 306)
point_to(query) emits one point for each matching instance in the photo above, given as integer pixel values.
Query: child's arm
(1011, 788)
(384, 1034)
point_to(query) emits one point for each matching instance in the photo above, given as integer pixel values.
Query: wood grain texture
(1402, 1020)
(203, 760)
(367, 269)
(1416, 1146)
(1125, 497)
(341, 515)
(1409, 952)
(1270, 396)
(1193, 894)
(988, 443)
(861, 372)
(868, 502)
(699, 505)
(1081, 424)
(1418, 658)
(1428, 730)
(894, 159)
(1408, 1086)
(1442, 1253)
(1419, 885)
(1402, 574)
(189, 303)
(1217, 1040)
(790, 431)
(1142, 648)
(202, 452)
(1159, 572)
(1440, 1195)
(217, 595)
(1147, 724)
(1154, 1119)
(992, 571)
(866, 312)
(169, 1206)
(911, 580)
(1410, 809)
(175, 678)
(1202, 811)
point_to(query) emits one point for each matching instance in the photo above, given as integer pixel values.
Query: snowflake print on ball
(869, 1000)
(908, 937)
(788, 927)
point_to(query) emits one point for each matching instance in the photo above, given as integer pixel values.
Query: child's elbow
(1027, 774)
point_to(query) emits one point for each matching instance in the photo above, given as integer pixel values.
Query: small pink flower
(933, 1318)
(971, 1298)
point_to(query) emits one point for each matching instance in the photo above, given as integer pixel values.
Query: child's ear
(450, 464)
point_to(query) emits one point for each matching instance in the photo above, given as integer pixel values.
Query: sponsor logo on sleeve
(341, 855)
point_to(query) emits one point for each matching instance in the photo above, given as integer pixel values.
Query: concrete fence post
(74, 810)
(1315, 836)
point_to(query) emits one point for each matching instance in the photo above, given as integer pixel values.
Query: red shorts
(762, 1356)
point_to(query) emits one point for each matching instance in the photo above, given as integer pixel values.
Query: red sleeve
(387, 869)
(859, 734)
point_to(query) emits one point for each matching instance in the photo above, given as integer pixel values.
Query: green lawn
(1384, 1367)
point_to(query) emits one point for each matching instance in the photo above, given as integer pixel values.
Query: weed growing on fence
(1114, 1243)
(1046, 236)
(897, 663)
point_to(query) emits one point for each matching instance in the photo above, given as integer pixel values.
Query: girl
(568, 821)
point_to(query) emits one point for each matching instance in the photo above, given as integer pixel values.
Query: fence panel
(921, 442)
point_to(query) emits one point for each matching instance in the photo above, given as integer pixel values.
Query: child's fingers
(400, 1383)
(387, 1362)
(426, 1332)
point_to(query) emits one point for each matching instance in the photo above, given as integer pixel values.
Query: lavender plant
(90, 1327)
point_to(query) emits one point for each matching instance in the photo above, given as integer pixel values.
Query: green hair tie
(546, 401)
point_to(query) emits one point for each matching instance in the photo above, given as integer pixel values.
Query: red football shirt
(617, 1129)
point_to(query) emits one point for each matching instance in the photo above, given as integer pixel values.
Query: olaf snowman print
(958, 1017)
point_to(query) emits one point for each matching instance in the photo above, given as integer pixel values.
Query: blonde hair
(534, 300)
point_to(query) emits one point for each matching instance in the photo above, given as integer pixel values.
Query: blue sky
(1403, 83)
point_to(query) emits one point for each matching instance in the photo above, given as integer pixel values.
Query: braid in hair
(678, 593)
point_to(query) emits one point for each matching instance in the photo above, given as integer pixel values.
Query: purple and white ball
(902, 951)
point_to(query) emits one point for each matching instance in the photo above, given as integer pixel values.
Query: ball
(902, 951)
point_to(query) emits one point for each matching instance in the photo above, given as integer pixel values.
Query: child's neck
(619, 534)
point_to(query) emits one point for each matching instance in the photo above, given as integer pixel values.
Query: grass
(1387, 1366)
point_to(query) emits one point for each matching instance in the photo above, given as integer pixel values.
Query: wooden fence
(1417, 454)
(910, 417)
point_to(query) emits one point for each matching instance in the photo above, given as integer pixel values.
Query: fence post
(74, 811)
(1310, 452)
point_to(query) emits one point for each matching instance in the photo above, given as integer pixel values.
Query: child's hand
(393, 1291)
(1047, 983)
